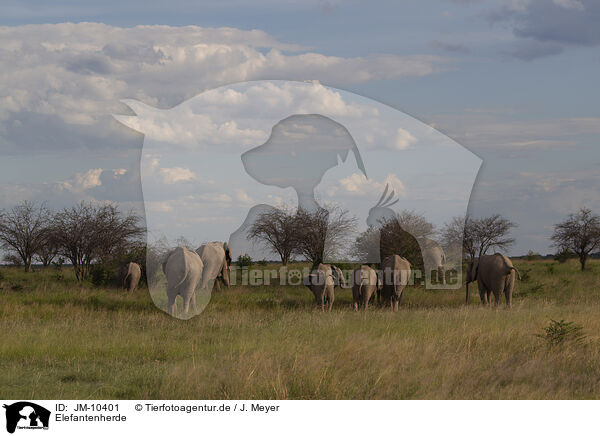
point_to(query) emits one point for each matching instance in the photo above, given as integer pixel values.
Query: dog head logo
(26, 415)
(215, 163)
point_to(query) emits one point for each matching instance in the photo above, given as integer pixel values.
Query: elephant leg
(225, 277)
(396, 305)
(508, 297)
(331, 299)
(171, 304)
(483, 294)
(186, 303)
(193, 301)
(508, 289)
(378, 292)
(217, 286)
(442, 271)
(497, 296)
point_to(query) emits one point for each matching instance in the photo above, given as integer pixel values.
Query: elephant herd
(365, 284)
(493, 273)
(185, 270)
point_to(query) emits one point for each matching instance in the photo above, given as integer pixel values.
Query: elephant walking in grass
(365, 284)
(322, 281)
(434, 259)
(216, 258)
(495, 274)
(183, 269)
(396, 274)
(133, 272)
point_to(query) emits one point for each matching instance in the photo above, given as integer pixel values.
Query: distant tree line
(86, 234)
(326, 233)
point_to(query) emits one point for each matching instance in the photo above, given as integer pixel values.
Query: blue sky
(514, 81)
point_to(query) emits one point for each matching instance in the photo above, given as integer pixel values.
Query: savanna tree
(477, 235)
(87, 233)
(277, 229)
(323, 233)
(48, 251)
(394, 239)
(24, 230)
(490, 232)
(579, 233)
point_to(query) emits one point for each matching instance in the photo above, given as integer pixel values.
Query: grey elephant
(133, 272)
(396, 274)
(434, 259)
(495, 274)
(365, 284)
(183, 269)
(216, 258)
(322, 281)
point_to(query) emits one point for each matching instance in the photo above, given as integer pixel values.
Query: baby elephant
(321, 283)
(133, 272)
(396, 273)
(365, 284)
(494, 273)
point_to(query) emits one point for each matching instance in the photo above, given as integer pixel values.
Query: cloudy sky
(513, 81)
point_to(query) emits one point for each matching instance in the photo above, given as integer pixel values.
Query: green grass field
(62, 340)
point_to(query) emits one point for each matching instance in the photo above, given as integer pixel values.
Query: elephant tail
(517, 271)
(184, 265)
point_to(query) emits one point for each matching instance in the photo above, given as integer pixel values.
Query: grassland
(62, 340)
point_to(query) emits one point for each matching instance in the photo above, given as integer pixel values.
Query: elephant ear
(227, 253)
(338, 276)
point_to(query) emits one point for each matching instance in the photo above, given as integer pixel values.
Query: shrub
(262, 262)
(244, 260)
(564, 255)
(102, 275)
(531, 255)
(558, 332)
(58, 263)
(12, 260)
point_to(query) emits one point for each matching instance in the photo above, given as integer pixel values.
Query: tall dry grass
(62, 340)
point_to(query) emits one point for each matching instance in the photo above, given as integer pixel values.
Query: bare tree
(490, 232)
(12, 260)
(477, 235)
(394, 239)
(415, 224)
(48, 251)
(24, 230)
(580, 233)
(459, 234)
(323, 233)
(86, 233)
(366, 244)
(276, 228)
(395, 234)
